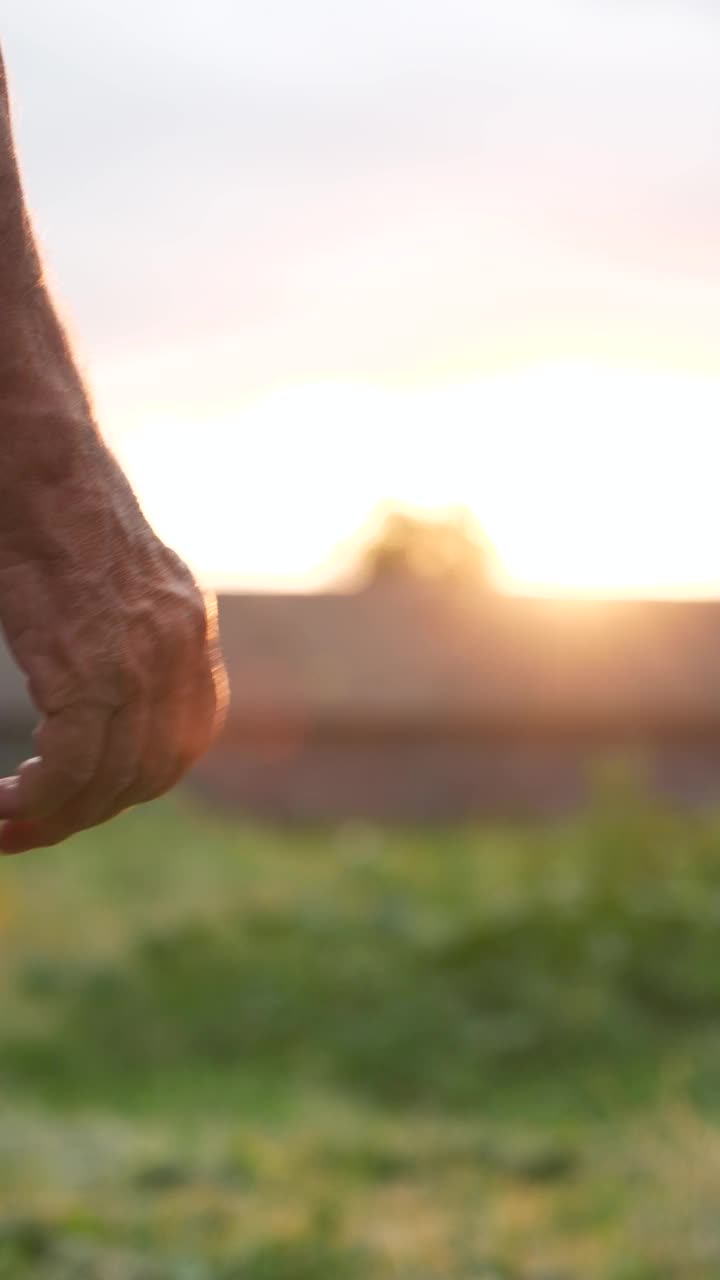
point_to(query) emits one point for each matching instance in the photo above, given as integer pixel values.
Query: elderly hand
(118, 644)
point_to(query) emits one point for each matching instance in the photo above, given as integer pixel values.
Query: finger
(21, 837)
(95, 803)
(180, 726)
(160, 763)
(9, 796)
(195, 720)
(70, 745)
(146, 754)
(178, 729)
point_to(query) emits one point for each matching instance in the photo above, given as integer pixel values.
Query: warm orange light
(587, 479)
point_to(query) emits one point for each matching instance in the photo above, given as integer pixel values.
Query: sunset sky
(319, 256)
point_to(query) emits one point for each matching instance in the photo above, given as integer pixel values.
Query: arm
(117, 642)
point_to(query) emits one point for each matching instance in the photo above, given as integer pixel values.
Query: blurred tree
(447, 551)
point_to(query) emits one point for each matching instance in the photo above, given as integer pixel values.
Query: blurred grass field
(233, 1053)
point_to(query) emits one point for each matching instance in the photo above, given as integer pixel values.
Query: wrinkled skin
(117, 642)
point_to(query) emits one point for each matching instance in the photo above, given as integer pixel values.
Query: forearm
(19, 264)
(37, 369)
(54, 464)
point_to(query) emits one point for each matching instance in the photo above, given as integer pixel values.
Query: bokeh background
(403, 319)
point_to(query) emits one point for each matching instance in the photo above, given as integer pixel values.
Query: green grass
(233, 1053)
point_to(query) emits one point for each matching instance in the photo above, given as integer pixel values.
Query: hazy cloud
(322, 189)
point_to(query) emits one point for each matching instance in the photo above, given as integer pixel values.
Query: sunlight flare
(587, 479)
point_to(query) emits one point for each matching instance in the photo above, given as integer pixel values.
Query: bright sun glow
(587, 479)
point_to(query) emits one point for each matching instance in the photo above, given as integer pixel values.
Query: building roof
(412, 656)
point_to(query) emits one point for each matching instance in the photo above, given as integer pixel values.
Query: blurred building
(409, 702)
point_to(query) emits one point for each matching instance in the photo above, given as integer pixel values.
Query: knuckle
(179, 636)
(193, 652)
(197, 618)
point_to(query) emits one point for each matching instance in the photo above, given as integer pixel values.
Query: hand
(118, 644)
(116, 640)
